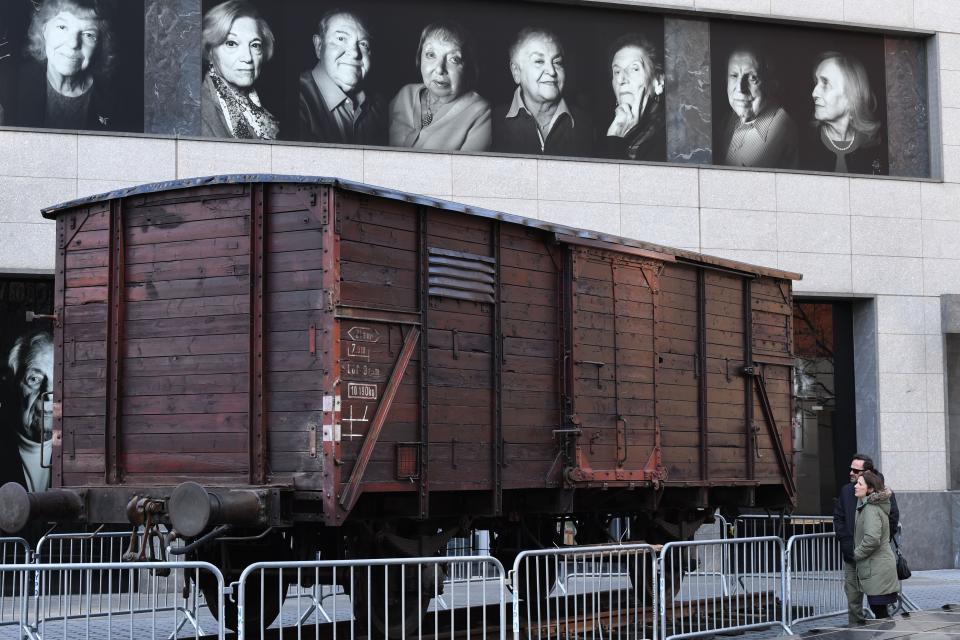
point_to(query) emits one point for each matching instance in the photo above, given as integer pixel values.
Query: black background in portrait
(126, 17)
(17, 296)
(586, 35)
(13, 14)
(794, 52)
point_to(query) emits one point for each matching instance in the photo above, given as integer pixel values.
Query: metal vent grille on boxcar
(460, 275)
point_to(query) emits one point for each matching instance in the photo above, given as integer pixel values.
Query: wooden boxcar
(362, 368)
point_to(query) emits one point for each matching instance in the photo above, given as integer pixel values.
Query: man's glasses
(857, 471)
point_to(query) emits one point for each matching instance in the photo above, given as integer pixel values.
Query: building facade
(879, 254)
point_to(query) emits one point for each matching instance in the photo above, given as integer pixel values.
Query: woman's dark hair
(452, 32)
(104, 55)
(218, 21)
(873, 481)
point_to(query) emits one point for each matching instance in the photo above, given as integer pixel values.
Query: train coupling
(192, 508)
(18, 507)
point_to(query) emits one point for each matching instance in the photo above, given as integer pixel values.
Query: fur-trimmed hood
(879, 498)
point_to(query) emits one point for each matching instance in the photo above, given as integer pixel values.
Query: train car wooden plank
(190, 288)
(377, 235)
(511, 294)
(87, 259)
(189, 464)
(85, 314)
(194, 345)
(378, 275)
(184, 404)
(157, 385)
(282, 262)
(86, 295)
(367, 253)
(222, 247)
(362, 293)
(157, 235)
(210, 325)
(173, 423)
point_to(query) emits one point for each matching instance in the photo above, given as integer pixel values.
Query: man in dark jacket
(844, 520)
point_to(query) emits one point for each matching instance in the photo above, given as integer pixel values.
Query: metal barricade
(598, 592)
(782, 525)
(749, 595)
(14, 589)
(82, 547)
(90, 600)
(385, 598)
(141, 592)
(814, 582)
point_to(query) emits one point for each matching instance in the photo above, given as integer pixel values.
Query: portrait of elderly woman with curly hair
(66, 81)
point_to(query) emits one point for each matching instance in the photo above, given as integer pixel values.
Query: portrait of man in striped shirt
(758, 132)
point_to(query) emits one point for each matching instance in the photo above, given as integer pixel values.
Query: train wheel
(390, 601)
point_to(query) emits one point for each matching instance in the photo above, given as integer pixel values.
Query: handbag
(903, 569)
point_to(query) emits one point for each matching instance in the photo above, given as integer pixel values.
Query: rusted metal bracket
(348, 498)
(653, 473)
(651, 271)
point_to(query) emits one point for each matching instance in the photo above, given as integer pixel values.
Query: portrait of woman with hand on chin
(638, 130)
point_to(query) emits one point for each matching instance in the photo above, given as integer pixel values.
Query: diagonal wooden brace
(348, 498)
(775, 435)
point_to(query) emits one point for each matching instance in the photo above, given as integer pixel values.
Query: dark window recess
(464, 276)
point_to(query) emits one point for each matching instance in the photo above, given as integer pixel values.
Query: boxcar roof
(359, 187)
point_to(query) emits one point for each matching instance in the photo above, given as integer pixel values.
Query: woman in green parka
(876, 564)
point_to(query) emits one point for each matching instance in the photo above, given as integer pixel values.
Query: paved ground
(926, 589)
